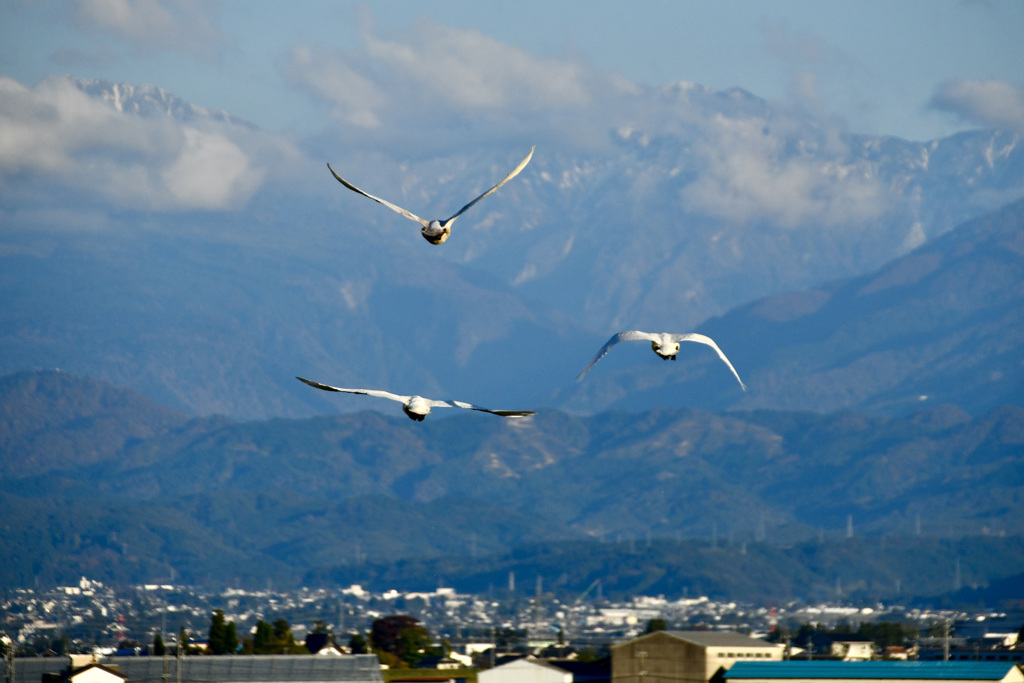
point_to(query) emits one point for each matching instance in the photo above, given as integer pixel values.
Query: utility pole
(163, 629)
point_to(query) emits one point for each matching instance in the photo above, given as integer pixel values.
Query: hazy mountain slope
(943, 324)
(218, 326)
(54, 421)
(642, 225)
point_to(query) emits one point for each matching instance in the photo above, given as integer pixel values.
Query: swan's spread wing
(502, 413)
(632, 335)
(510, 176)
(408, 214)
(367, 392)
(701, 339)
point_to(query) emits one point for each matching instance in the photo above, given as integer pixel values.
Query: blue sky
(901, 68)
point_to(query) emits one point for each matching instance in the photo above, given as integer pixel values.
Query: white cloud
(210, 172)
(748, 172)
(58, 135)
(467, 69)
(175, 25)
(988, 103)
(326, 76)
(432, 74)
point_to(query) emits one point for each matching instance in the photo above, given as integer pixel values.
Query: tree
(217, 641)
(656, 625)
(357, 644)
(273, 639)
(400, 639)
(283, 636)
(231, 638)
(158, 645)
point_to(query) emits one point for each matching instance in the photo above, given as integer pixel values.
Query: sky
(392, 86)
(918, 69)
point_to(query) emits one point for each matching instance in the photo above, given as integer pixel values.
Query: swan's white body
(665, 344)
(435, 231)
(417, 407)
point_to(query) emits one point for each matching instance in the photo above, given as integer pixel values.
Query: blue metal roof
(947, 671)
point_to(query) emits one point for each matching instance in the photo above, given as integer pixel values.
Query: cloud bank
(991, 104)
(118, 145)
(436, 85)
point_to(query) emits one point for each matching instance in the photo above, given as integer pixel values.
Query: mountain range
(648, 226)
(99, 481)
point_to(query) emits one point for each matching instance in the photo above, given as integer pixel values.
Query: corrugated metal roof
(260, 668)
(795, 669)
(31, 669)
(223, 669)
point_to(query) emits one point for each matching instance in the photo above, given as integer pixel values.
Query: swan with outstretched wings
(417, 407)
(665, 344)
(435, 231)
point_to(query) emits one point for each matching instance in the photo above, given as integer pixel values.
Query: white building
(527, 670)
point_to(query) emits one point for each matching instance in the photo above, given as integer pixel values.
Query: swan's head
(668, 350)
(417, 408)
(435, 233)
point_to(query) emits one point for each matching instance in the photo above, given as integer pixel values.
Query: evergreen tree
(231, 638)
(217, 641)
(158, 645)
(263, 641)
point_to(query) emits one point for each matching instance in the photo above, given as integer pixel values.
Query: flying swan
(435, 231)
(664, 344)
(417, 407)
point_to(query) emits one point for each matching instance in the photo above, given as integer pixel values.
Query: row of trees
(398, 641)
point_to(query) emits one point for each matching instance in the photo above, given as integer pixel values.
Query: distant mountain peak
(149, 101)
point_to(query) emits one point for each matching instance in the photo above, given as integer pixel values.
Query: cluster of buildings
(87, 629)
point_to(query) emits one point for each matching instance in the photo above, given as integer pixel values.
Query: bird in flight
(664, 344)
(435, 231)
(417, 407)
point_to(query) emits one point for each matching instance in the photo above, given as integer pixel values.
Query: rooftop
(892, 670)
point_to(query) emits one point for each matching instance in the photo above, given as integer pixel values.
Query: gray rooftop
(225, 669)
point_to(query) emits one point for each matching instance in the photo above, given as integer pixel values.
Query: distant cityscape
(92, 617)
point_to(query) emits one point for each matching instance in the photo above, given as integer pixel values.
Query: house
(442, 662)
(90, 673)
(852, 648)
(525, 670)
(686, 656)
(796, 671)
(845, 646)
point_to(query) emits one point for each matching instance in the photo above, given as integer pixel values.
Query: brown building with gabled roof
(686, 656)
